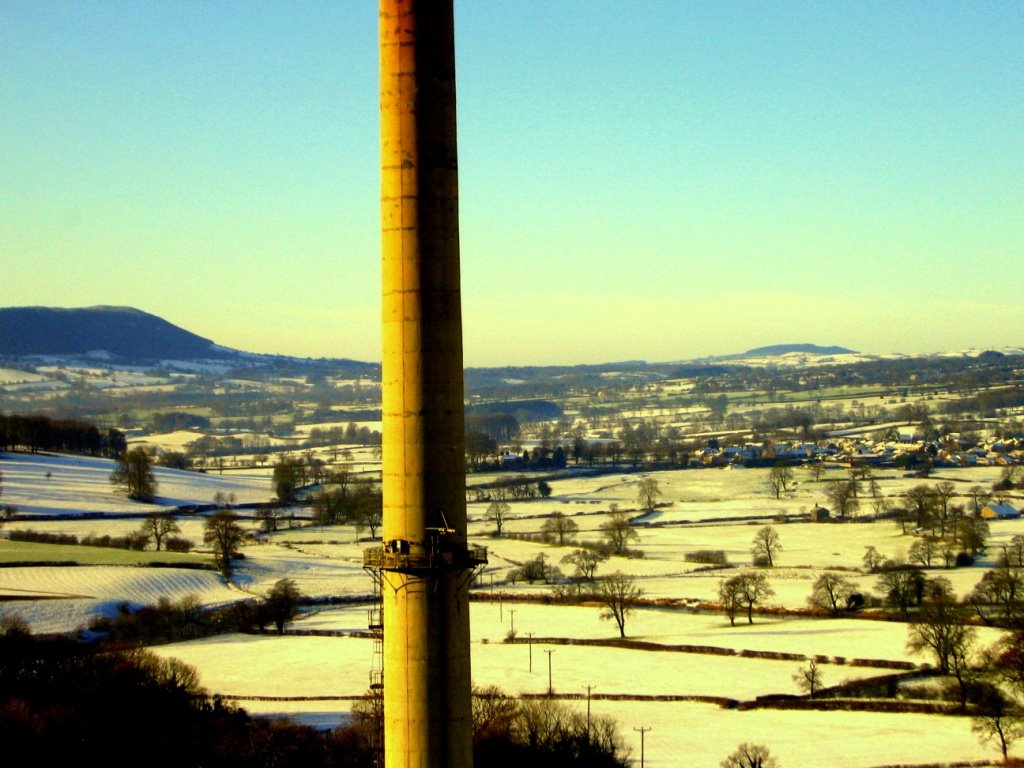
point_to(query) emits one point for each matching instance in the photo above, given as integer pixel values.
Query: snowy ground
(683, 733)
(44, 484)
(703, 509)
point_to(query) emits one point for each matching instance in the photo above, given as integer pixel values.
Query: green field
(31, 552)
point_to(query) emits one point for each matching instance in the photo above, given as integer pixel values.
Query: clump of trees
(766, 546)
(708, 556)
(647, 493)
(63, 702)
(159, 526)
(743, 591)
(780, 478)
(135, 541)
(585, 561)
(545, 733)
(559, 528)
(833, 593)
(134, 475)
(941, 627)
(283, 602)
(223, 534)
(41, 433)
(618, 532)
(537, 569)
(290, 474)
(749, 755)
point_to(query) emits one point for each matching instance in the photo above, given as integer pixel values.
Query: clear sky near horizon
(654, 180)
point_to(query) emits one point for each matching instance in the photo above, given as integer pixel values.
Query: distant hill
(804, 349)
(119, 331)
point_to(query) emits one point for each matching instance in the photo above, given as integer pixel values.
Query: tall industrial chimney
(424, 562)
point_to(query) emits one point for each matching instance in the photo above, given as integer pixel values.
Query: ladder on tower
(375, 623)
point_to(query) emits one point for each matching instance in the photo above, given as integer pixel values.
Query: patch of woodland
(186, 619)
(67, 703)
(34, 433)
(132, 541)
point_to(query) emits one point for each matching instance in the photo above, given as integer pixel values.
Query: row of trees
(361, 506)
(617, 532)
(42, 433)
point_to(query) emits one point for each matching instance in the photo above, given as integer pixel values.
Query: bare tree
(1013, 553)
(729, 597)
(618, 532)
(766, 545)
(269, 515)
(754, 589)
(158, 526)
(881, 506)
(923, 551)
(842, 494)
(223, 500)
(996, 718)
(369, 510)
(808, 678)
(921, 503)
(559, 526)
(779, 478)
(873, 559)
(647, 493)
(586, 562)
(940, 627)
(830, 592)
(868, 475)
(750, 756)
(902, 585)
(979, 498)
(1001, 592)
(944, 493)
(223, 533)
(497, 512)
(619, 594)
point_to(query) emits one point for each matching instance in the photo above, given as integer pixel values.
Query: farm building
(999, 512)
(819, 514)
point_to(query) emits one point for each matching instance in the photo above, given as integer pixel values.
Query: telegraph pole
(589, 689)
(642, 731)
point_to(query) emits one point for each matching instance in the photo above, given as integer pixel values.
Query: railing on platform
(449, 559)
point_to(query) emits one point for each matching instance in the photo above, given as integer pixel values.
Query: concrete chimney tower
(424, 563)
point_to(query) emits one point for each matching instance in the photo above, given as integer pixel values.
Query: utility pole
(551, 689)
(642, 731)
(589, 689)
(512, 613)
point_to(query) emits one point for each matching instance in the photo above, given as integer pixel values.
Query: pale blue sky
(657, 180)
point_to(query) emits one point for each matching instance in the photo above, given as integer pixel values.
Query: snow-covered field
(703, 509)
(334, 669)
(44, 484)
